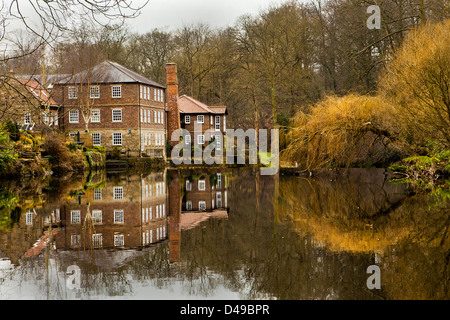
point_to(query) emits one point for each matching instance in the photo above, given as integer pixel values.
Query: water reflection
(221, 233)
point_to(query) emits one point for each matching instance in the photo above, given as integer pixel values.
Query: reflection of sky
(21, 284)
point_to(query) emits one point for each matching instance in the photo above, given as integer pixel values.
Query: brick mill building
(114, 107)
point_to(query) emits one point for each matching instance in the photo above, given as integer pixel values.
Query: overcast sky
(171, 14)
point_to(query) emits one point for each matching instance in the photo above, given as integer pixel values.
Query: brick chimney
(173, 122)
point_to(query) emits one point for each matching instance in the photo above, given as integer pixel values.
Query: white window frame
(202, 206)
(202, 117)
(116, 115)
(119, 216)
(95, 116)
(97, 240)
(96, 142)
(74, 116)
(217, 123)
(187, 119)
(72, 93)
(118, 193)
(94, 92)
(119, 240)
(115, 139)
(97, 216)
(201, 185)
(97, 194)
(116, 92)
(188, 185)
(200, 139)
(27, 118)
(145, 117)
(187, 139)
(75, 216)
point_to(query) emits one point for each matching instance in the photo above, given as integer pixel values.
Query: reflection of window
(97, 240)
(188, 185)
(188, 205)
(97, 216)
(75, 216)
(118, 216)
(119, 240)
(201, 185)
(201, 205)
(75, 240)
(118, 193)
(219, 199)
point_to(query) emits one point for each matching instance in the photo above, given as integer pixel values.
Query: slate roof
(188, 104)
(109, 72)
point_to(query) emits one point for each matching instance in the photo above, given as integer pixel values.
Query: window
(187, 119)
(188, 185)
(75, 240)
(145, 117)
(97, 240)
(219, 181)
(201, 205)
(116, 91)
(95, 92)
(73, 116)
(200, 139)
(200, 119)
(218, 142)
(95, 115)
(118, 216)
(97, 194)
(29, 218)
(117, 139)
(118, 193)
(27, 118)
(96, 139)
(75, 216)
(72, 92)
(217, 123)
(219, 199)
(119, 240)
(117, 115)
(188, 205)
(142, 115)
(201, 185)
(187, 139)
(148, 116)
(141, 92)
(97, 216)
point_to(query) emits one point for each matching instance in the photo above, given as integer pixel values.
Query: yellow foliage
(339, 131)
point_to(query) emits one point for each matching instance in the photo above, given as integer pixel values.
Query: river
(222, 233)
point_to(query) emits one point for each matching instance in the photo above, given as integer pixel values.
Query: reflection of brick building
(123, 214)
(206, 192)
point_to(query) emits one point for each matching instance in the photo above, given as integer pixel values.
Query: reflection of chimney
(172, 101)
(174, 217)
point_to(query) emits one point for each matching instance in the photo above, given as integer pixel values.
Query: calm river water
(221, 234)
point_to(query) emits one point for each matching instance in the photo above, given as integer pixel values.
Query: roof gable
(188, 104)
